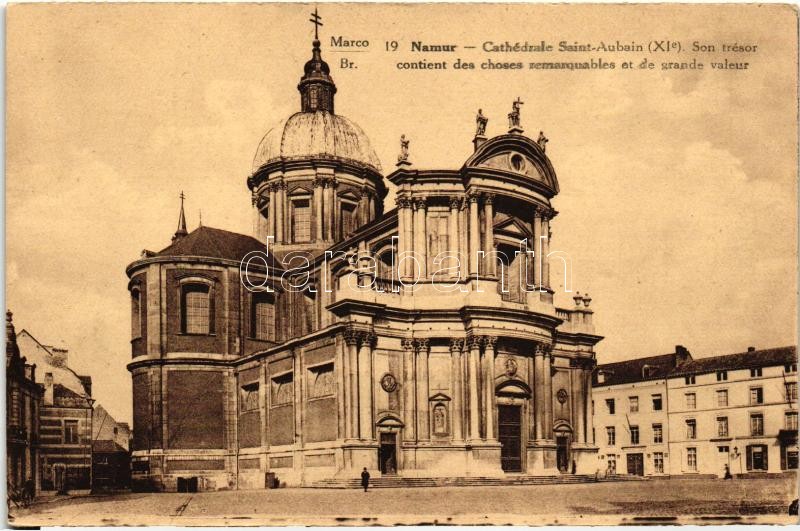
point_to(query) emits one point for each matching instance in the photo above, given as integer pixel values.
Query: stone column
(548, 394)
(333, 210)
(546, 249)
(271, 214)
(423, 386)
(368, 340)
(409, 392)
(407, 237)
(280, 196)
(474, 367)
(351, 394)
(587, 405)
(538, 392)
(488, 385)
(319, 214)
(420, 236)
(488, 235)
(457, 407)
(341, 395)
(463, 242)
(474, 235)
(537, 246)
(453, 237)
(576, 402)
(371, 206)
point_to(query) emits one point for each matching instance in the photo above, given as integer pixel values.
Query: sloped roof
(107, 447)
(633, 370)
(36, 352)
(209, 242)
(741, 360)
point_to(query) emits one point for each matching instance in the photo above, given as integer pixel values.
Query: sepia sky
(678, 189)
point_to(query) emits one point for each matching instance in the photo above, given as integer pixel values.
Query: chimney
(751, 349)
(48, 389)
(682, 355)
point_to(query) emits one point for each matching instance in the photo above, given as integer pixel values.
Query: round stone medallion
(388, 382)
(562, 395)
(511, 367)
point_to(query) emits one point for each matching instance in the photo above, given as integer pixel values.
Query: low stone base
(542, 459)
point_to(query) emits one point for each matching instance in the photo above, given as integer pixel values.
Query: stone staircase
(388, 482)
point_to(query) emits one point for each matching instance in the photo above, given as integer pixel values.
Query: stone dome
(319, 135)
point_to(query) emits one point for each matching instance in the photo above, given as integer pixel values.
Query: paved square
(660, 501)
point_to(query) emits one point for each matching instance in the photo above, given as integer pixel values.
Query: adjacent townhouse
(676, 415)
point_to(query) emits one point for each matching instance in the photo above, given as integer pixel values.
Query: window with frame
(438, 237)
(658, 434)
(755, 372)
(634, 434)
(691, 401)
(321, 381)
(722, 398)
(195, 309)
(611, 459)
(722, 376)
(691, 459)
(248, 397)
(282, 390)
(791, 391)
(691, 429)
(136, 313)
(722, 426)
(756, 395)
(633, 403)
(658, 462)
(790, 420)
(689, 380)
(70, 432)
(610, 406)
(301, 220)
(611, 435)
(262, 316)
(347, 217)
(757, 424)
(657, 403)
(790, 368)
(757, 457)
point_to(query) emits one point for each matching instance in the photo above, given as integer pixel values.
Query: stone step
(400, 481)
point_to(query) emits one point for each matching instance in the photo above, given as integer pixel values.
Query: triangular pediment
(439, 397)
(513, 225)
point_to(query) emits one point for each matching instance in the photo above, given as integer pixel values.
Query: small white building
(675, 415)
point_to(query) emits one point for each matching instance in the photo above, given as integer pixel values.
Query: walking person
(365, 479)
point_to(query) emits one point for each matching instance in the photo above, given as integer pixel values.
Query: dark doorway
(636, 464)
(509, 424)
(387, 454)
(187, 484)
(562, 453)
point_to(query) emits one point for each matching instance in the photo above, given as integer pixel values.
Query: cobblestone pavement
(656, 501)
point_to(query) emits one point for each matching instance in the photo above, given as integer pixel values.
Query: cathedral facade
(415, 342)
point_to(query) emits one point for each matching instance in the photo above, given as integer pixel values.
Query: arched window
(195, 309)
(262, 316)
(136, 313)
(348, 223)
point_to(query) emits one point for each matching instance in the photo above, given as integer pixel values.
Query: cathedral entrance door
(562, 453)
(509, 424)
(387, 454)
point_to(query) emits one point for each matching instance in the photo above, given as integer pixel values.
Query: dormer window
(196, 314)
(601, 377)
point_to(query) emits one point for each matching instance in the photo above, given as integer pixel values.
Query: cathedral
(416, 342)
